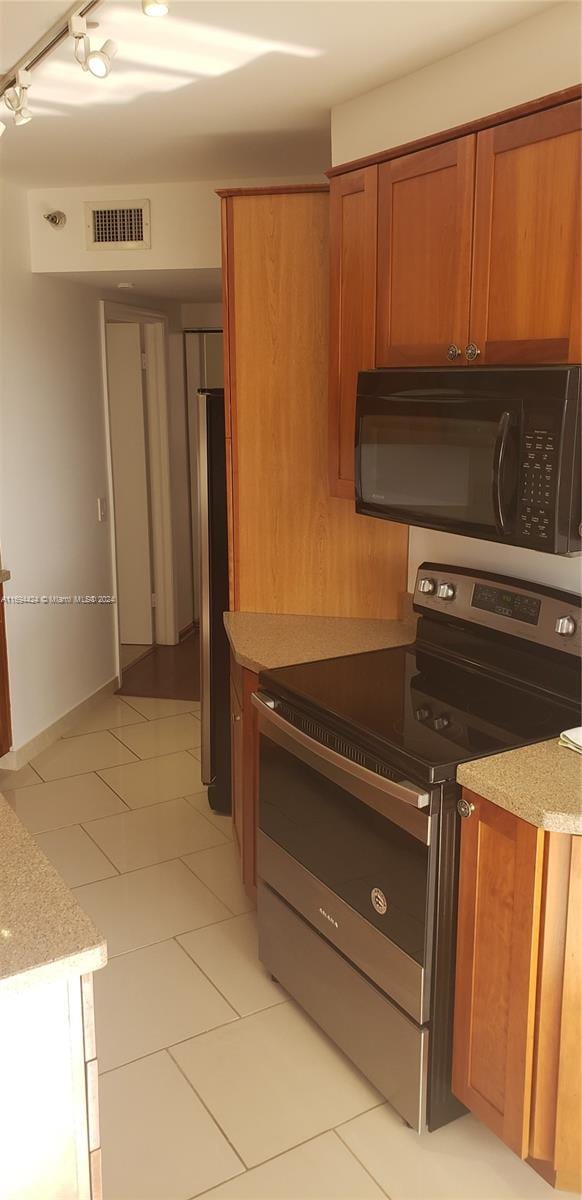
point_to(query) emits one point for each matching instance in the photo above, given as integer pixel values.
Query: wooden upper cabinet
(425, 219)
(353, 226)
(526, 269)
(497, 946)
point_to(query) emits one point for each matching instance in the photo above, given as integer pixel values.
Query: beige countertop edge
(44, 932)
(541, 783)
(263, 641)
(72, 966)
(4, 576)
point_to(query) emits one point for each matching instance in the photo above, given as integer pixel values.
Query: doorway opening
(142, 536)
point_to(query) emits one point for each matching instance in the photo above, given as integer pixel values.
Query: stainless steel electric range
(358, 820)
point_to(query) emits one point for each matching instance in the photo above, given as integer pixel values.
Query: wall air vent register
(126, 228)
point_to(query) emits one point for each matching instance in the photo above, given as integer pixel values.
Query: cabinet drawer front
(525, 304)
(425, 218)
(390, 1049)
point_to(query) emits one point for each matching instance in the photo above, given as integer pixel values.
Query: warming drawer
(388, 1047)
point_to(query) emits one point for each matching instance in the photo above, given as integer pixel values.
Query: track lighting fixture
(155, 8)
(15, 99)
(98, 62)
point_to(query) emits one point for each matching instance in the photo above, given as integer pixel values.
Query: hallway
(166, 672)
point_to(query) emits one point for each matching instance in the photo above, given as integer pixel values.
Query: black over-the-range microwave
(488, 452)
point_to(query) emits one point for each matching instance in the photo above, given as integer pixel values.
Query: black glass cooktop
(419, 710)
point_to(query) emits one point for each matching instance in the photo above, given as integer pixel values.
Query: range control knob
(565, 626)
(446, 591)
(427, 586)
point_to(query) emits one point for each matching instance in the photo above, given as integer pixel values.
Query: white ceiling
(193, 286)
(221, 89)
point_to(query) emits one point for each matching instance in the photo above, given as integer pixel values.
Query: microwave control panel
(537, 487)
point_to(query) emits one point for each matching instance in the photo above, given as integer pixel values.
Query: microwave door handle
(499, 455)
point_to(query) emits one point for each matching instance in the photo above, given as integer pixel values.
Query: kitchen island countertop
(44, 932)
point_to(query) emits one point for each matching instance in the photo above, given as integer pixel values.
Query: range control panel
(537, 487)
(550, 618)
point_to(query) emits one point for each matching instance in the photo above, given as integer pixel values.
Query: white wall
(52, 469)
(185, 226)
(202, 316)
(532, 59)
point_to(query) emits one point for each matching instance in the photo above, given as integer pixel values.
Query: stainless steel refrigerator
(214, 598)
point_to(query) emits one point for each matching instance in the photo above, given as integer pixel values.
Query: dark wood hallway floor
(167, 672)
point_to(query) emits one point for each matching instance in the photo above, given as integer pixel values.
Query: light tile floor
(213, 1082)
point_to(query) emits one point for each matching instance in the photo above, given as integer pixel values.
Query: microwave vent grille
(314, 729)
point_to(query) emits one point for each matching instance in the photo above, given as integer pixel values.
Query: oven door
(352, 852)
(439, 460)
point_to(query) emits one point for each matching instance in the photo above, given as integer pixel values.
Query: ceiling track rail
(45, 45)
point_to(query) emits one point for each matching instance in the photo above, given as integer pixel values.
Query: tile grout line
(281, 1154)
(210, 1114)
(105, 855)
(191, 1038)
(213, 983)
(353, 1153)
(147, 757)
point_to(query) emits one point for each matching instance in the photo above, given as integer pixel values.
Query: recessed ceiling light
(155, 8)
(125, 285)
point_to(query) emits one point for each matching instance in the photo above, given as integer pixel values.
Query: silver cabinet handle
(472, 352)
(454, 352)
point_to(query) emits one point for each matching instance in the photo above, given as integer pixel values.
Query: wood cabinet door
(236, 763)
(425, 220)
(353, 245)
(525, 305)
(497, 945)
(5, 722)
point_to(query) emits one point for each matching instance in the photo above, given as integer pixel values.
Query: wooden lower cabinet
(244, 766)
(518, 1006)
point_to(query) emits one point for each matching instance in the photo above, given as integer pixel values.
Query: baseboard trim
(187, 630)
(16, 759)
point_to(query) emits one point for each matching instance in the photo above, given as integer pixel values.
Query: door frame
(155, 330)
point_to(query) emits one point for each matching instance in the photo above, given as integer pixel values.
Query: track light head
(99, 61)
(155, 8)
(15, 98)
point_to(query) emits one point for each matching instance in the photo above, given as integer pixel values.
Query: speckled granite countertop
(44, 933)
(266, 640)
(4, 576)
(541, 783)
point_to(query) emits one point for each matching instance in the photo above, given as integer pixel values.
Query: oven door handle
(400, 802)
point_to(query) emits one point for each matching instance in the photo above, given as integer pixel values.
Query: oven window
(346, 845)
(436, 466)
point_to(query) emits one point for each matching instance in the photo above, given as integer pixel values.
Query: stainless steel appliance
(490, 452)
(358, 821)
(214, 598)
